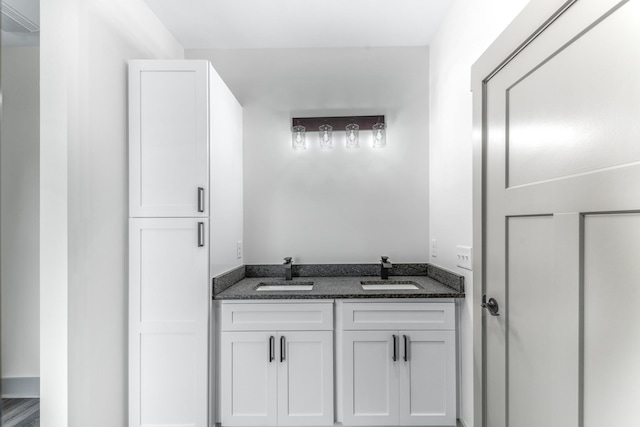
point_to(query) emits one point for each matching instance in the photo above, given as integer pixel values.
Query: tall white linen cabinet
(185, 227)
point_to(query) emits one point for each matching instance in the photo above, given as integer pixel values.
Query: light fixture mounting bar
(312, 124)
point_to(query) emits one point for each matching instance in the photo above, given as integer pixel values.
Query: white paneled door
(370, 378)
(562, 224)
(169, 299)
(271, 378)
(248, 378)
(399, 378)
(427, 361)
(305, 378)
(168, 138)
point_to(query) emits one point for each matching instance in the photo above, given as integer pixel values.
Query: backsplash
(334, 270)
(228, 279)
(446, 277)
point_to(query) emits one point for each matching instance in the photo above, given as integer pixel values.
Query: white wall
(226, 212)
(468, 30)
(20, 212)
(57, 50)
(339, 206)
(84, 130)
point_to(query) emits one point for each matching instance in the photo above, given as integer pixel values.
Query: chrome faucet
(287, 267)
(385, 266)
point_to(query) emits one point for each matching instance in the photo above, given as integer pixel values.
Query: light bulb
(352, 135)
(299, 142)
(379, 135)
(326, 142)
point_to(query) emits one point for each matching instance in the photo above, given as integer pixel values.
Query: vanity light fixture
(352, 130)
(324, 133)
(299, 141)
(325, 126)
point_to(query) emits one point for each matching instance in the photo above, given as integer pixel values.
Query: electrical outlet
(434, 248)
(239, 249)
(465, 257)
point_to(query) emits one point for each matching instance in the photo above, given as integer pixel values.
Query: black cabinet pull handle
(406, 348)
(282, 347)
(395, 347)
(200, 199)
(200, 234)
(271, 348)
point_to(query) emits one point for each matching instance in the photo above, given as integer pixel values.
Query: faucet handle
(384, 258)
(287, 260)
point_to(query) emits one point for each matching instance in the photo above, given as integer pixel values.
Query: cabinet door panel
(305, 379)
(427, 378)
(169, 298)
(167, 395)
(248, 379)
(370, 378)
(168, 141)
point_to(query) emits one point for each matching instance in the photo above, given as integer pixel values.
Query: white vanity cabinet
(276, 364)
(185, 152)
(398, 361)
(168, 321)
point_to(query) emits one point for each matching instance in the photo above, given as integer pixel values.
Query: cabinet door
(370, 378)
(427, 378)
(169, 298)
(305, 378)
(168, 138)
(249, 363)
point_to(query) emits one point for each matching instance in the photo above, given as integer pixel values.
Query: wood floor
(20, 413)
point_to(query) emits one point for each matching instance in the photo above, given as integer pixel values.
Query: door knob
(491, 305)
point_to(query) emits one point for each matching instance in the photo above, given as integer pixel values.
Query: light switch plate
(239, 249)
(464, 257)
(434, 248)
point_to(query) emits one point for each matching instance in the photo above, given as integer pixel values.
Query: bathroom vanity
(323, 350)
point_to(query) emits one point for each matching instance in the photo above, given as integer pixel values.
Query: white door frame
(533, 20)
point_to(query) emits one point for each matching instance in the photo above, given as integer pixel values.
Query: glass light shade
(298, 138)
(324, 133)
(379, 135)
(352, 135)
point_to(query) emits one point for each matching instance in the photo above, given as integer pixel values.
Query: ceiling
(247, 24)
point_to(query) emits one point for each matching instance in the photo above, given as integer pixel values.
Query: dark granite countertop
(337, 288)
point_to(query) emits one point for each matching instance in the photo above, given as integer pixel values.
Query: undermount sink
(284, 286)
(389, 285)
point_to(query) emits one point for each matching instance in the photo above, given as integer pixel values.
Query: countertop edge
(376, 295)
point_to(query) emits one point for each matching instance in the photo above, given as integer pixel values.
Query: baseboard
(461, 423)
(21, 387)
